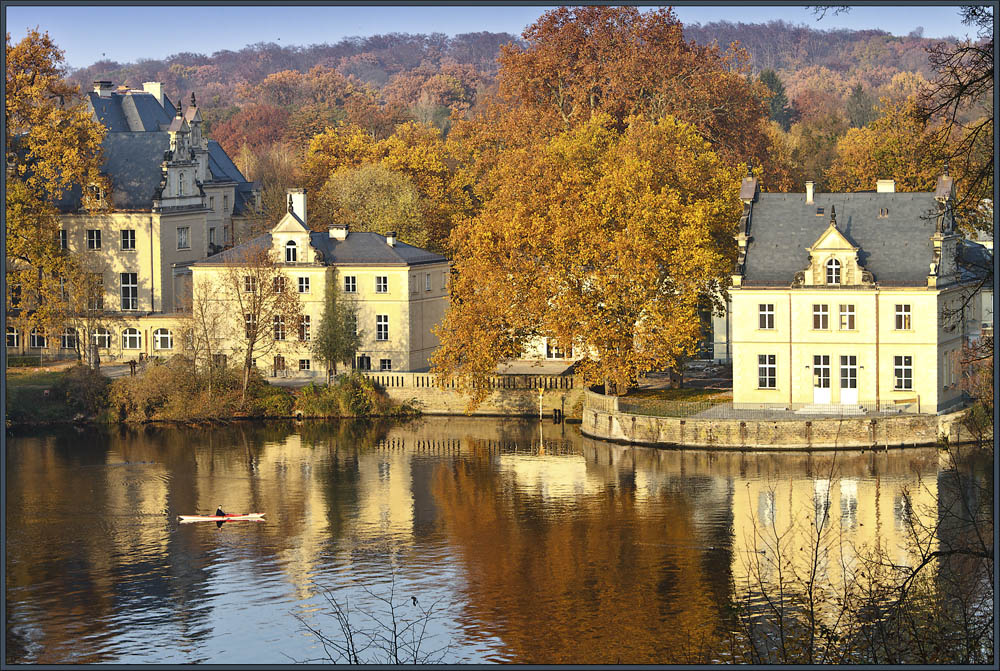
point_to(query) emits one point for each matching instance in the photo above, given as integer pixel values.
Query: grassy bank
(175, 392)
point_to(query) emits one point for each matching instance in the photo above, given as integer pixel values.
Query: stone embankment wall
(510, 395)
(602, 419)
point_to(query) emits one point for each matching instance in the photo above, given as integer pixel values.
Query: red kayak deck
(230, 517)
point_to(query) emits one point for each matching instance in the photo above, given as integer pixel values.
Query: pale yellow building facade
(850, 301)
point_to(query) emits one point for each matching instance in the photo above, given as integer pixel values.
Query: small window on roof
(819, 211)
(883, 212)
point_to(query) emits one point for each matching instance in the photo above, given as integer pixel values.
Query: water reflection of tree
(601, 583)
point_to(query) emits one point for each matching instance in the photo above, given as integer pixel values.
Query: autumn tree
(52, 146)
(337, 339)
(603, 238)
(373, 198)
(263, 308)
(254, 126)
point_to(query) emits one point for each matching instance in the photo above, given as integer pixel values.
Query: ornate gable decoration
(833, 261)
(290, 240)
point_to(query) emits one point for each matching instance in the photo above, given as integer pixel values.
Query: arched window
(102, 337)
(37, 339)
(131, 339)
(291, 252)
(13, 337)
(69, 338)
(833, 271)
(163, 339)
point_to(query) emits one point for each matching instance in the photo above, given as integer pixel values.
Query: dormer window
(819, 211)
(291, 252)
(883, 212)
(833, 271)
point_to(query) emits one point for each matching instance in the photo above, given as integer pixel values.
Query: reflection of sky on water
(585, 549)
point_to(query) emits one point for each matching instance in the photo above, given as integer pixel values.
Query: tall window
(279, 327)
(821, 317)
(93, 239)
(184, 237)
(13, 337)
(63, 240)
(833, 271)
(303, 285)
(280, 284)
(68, 338)
(381, 327)
(427, 282)
(350, 284)
(225, 204)
(211, 202)
(249, 284)
(902, 369)
(95, 292)
(130, 291)
(128, 240)
(291, 252)
(250, 324)
(211, 235)
(765, 315)
(37, 339)
(101, 337)
(846, 317)
(381, 284)
(767, 371)
(305, 327)
(364, 362)
(352, 322)
(163, 339)
(131, 339)
(902, 317)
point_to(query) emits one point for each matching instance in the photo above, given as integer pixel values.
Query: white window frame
(848, 316)
(279, 328)
(291, 252)
(305, 364)
(381, 284)
(280, 284)
(385, 365)
(68, 338)
(904, 317)
(93, 239)
(131, 338)
(902, 372)
(427, 281)
(183, 237)
(38, 339)
(13, 337)
(101, 337)
(129, 291)
(305, 328)
(249, 284)
(304, 285)
(95, 300)
(128, 239)
(350, 284)
(249, 323)
(765, 316)
(382, 328)
(833, 272)
(821, 317)
(163, 339)
(767, 371)
(63, 239)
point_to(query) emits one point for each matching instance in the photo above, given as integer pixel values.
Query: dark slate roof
(132, 160)
(223, 169)
(896, 249)
(975, 262)
(359, 248)
(136, 111)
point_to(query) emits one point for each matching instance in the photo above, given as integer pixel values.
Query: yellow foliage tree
(602, 238)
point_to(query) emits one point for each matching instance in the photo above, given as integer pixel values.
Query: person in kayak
(218, 512)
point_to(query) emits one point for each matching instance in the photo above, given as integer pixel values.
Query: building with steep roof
(851, 301)
(174, 196)
(400, 293)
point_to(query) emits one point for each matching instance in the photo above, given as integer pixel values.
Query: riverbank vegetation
(174, 391)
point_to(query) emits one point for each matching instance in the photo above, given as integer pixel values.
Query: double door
(822, 387)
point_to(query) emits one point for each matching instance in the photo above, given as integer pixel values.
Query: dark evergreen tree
(860, 108)
(780, 110)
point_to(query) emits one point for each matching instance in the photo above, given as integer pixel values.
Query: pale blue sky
(124, 34)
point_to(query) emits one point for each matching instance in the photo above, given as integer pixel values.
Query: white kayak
(230, 517)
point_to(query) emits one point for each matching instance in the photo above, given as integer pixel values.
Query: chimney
(338, 232)
(297, 203)
(809, 192)
(885, 186)
(156, 89)
(103, 88)
(390, 238)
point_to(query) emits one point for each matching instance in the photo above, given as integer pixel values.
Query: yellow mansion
(850, 301)
(400, 293)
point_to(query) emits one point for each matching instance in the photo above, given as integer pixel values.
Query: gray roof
(896, 249)
(132, 160)
(359, 248)
(223, 169)
(135, 111)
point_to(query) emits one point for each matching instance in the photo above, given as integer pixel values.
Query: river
(525, 542)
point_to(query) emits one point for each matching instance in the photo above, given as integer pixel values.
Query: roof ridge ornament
(833, 216)
(291, 208)
(193, 103)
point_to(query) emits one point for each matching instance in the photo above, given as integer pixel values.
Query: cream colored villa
(843, 301)
(400, 292)
(174, 197)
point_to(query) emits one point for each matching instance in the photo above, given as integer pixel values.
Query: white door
(821, 379)
(849, 380)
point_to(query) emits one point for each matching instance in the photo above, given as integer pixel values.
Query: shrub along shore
(174, 391)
